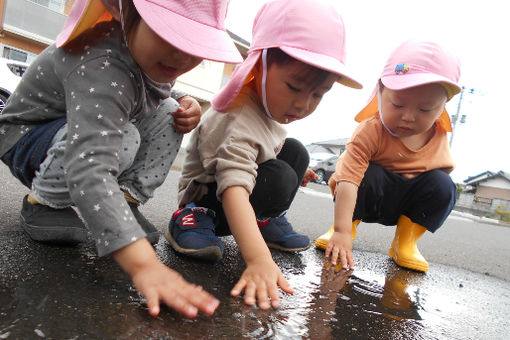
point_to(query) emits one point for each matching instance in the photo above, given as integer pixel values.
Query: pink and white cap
(416, 63)
(194, 27)
(311, 31)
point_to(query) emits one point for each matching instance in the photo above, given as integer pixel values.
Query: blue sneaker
(278, 234)
(191, 232)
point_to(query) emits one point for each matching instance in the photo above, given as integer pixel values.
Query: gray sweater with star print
(96, 84)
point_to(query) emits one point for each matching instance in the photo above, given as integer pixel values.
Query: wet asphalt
(52, 292)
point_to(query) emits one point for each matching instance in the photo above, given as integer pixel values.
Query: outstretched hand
(340, 248)
(158, 283)
(260, 282)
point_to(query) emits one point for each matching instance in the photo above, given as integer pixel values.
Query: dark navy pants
(276, 185)
(25, 157)
(384, 195)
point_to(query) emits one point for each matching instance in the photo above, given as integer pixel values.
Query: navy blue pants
(384, 195)
(276, 185)
(25, 157)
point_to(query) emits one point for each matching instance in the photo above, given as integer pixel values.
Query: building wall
(19, 30)
(492, 192)
(202, 82)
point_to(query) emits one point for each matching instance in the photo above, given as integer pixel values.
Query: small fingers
(350, 260)
(249, 294)
(334, 256)
(284, 284)
(262, 299)
(238, 288)
(152, 302)
(181, 305)
(204, 301)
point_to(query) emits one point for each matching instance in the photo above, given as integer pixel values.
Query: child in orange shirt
(396, 164)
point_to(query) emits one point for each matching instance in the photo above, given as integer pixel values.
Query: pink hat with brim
(310, 31)
(194, 27)
(416, 63)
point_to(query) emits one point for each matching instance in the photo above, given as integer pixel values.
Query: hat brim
(187, 35)
(83, 15)
(323, 62)
(399, 82)
(372, 108)
(229, 92)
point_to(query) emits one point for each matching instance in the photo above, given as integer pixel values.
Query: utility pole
(457, 116)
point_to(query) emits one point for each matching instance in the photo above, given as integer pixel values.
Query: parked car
(11, 72)
(325, 168)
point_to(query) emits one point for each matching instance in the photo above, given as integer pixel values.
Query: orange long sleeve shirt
(371, 142)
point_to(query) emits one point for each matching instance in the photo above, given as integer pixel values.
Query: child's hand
(158, 283)
(188, 115)
(340, 246)
(260, 280)
(309, 175)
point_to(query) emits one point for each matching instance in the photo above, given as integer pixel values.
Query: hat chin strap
(122, 23)
(264, 76)
(379, 100)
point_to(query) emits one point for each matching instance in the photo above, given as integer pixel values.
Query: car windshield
(17, 69)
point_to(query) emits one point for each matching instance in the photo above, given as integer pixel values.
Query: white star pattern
(110, 193)
(92, 89)
(114, 84)
(104, 133)
(97, 207)
(106, 63)
(77, 107)
(75, 136)
(120, 92)
(99, 116)
(82, 193)
(82, 155)
(133, 239)
(91, 160)
(2, 132)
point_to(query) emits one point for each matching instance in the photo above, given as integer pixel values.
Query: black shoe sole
(282, 248)
(56, 235)
(209, 254)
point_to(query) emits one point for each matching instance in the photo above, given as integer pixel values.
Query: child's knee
(129, 147)
(444, 189)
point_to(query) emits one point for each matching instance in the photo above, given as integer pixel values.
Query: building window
(19, 55)
(55, 5)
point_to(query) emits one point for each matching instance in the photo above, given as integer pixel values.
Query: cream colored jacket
(227, 147)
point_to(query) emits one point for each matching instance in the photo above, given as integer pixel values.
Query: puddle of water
(70, 293)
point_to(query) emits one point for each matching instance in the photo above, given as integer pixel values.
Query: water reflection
(363, 304)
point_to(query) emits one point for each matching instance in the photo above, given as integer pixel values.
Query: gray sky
(476, 31)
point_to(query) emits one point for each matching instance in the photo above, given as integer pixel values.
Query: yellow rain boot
(322, 241)
(404, 250)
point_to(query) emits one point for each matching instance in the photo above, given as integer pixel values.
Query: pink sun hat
(310, 31)
(416, 63)
(194, 27)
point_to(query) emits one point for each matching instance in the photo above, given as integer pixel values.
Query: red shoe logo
(188, 220)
